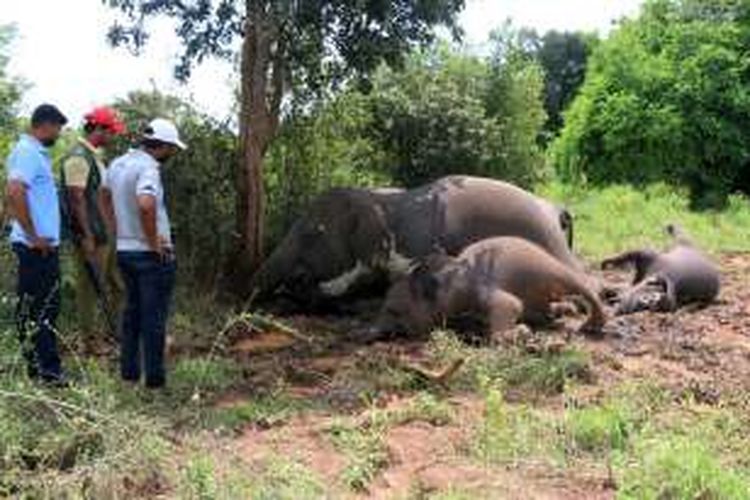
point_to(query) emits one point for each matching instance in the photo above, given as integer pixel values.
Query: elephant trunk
(270, 274)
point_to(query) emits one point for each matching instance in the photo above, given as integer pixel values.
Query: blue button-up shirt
(29, 162)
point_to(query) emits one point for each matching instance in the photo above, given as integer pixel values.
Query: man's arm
(147, 212)
(107, 210)
(77, 201)
(19, 210)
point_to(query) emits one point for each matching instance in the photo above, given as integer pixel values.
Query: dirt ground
(705, 352)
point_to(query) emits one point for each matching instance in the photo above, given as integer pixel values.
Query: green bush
(318, 148)
(666, 98)
(450, 113)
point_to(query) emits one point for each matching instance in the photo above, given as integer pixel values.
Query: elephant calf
(503, 280)
(684, 274)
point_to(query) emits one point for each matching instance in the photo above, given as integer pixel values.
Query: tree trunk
(259, 112)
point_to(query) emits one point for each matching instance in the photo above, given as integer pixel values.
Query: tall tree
(666, 98)
(287, 46)
(563, 56)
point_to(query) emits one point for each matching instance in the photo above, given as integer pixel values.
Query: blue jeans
(149, 281)
(38, 307)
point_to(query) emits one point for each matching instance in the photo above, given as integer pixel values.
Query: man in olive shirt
(82, 173)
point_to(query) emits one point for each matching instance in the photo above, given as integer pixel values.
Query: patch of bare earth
(704, 351)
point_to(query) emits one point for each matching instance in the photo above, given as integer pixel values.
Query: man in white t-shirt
(133, 206)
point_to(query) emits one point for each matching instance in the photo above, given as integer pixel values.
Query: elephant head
(414, 304)
(338, 238)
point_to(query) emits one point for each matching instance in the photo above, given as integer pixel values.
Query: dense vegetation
(666, 97)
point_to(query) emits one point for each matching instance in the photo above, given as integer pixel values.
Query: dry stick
(55, 403)
(440, 377)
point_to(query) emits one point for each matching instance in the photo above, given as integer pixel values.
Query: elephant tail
(566, 223)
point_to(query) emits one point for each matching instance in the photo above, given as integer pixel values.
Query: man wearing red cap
(81, 175)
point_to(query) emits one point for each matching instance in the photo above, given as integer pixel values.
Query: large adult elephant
(349, 236)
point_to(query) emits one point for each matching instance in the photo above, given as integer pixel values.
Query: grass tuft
(681, 467)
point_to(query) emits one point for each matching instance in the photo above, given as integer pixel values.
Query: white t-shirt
(129, 176)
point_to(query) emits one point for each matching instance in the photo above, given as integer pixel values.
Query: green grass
(659, 447)
(612, 219)
(511, 434)
(530, 374)
(608, 426)
(681, 467)
(265, 411)
(364, 441)
(599, 428)
(282, 479)
(365, 449)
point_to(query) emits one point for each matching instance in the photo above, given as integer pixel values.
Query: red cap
(107, 118)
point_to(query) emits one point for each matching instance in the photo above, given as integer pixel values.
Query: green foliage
(563, 58)
(285, 480)
(318, 41)
(681, 467)
(265, 411)
(199, 183)
(599, 428)
(667, 96)
(203, 375)
(424, 407)
(617, 218)
(200, 479)
(534, 375)
(10, 95)
(318, 148)
(366, 451)
(79, 442)
(451, 113)
(511, 433)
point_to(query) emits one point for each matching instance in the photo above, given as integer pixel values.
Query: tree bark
(259, 116)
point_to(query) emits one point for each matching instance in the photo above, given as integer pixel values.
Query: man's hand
(41, 245)
(88, 246)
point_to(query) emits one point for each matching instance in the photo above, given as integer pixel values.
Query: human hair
(152, 143)
(47, 113)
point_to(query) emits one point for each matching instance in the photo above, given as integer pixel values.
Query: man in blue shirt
(35, 235)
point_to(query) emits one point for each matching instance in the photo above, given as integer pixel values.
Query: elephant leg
(504, 310)
(668, 301)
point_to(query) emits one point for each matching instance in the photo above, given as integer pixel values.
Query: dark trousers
(149, 282)
(38, 307)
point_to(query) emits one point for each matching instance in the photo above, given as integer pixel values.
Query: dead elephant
(350, 236)
(681, 276)
(502, 280)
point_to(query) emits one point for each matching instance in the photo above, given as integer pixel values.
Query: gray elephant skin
(500, 280)
(684, 274)
(349, 237)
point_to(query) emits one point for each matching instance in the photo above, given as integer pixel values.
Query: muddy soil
(705, 352)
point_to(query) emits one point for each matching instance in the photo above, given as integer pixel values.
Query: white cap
(164, 131)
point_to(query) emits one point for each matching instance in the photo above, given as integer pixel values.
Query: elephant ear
(369, 236)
